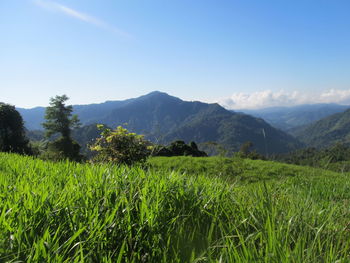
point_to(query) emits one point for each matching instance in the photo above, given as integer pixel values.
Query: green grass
(177, 210)
(234, 170)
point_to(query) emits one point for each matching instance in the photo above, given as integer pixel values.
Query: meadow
(177, 209)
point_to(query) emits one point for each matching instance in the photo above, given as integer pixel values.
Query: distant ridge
(163, 118)
(287, 118)
(327, 131)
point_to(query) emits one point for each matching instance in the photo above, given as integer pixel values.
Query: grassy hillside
(234, 170)
(67, 212)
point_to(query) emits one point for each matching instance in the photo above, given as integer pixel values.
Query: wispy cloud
(53, 6)
(268, 98)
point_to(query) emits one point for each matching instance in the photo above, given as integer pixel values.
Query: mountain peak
(157, 95)
(157, 92)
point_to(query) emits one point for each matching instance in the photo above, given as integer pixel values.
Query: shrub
(120, 146)
(179, 148)
(61, 149)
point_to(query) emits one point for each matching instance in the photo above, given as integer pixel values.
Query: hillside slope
(232, 130)
(327, 131)
(286, 118)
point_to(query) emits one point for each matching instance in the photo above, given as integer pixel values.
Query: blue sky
(244, 54)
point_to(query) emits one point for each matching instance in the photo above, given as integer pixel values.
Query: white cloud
(50, 5)
(268, 98)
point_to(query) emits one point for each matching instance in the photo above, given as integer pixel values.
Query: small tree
(246, 152)
(12, 133)
(245, 149)
(120, 146)
(59, 120)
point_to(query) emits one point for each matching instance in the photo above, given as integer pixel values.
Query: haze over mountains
(317, 125)
(287, 118)
(163, 118)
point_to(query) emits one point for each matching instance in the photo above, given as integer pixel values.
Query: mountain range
(326, 132)
(288, 118)
(163, 118)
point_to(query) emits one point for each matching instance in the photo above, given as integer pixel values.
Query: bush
(179, 148)
(120, 146)
(61, 149)
(246, 152)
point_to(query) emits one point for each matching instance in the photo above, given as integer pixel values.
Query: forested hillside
(327, 131)
(287, 118)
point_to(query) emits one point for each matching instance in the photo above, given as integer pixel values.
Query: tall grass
(67, 212)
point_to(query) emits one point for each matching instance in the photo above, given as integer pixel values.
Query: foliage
(179, 148)
(35, 135)
(232, 129)
(327, 131)
(335, 157)
(59, 120)
(62, 148)
(86, 136)
(69, 212)
(120, 146)
(245, 151)
(12, 133)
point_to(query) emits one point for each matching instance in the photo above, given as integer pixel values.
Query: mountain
(33, 118)
(163, 118)
(286, 118)
(232, 130)
(327, 131)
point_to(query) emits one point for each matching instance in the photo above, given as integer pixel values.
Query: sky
(240, 53)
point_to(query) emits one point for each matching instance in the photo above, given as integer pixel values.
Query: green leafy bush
(179, 148)
(120, 146)
(336, 157)
(61, 149)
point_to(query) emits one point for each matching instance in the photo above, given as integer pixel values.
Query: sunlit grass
(67, 212)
